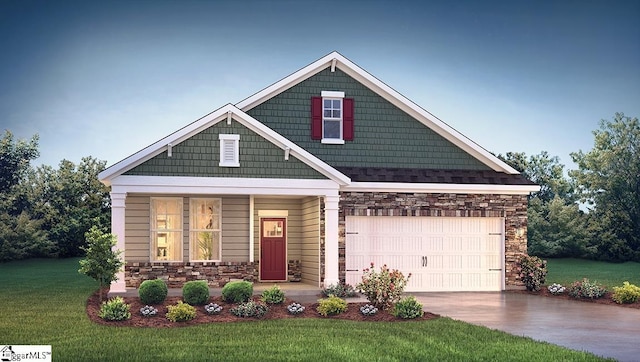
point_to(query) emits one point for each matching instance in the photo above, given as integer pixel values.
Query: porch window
(204, 229)
(166, 229)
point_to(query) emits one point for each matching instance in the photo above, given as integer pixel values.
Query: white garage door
(441, 253)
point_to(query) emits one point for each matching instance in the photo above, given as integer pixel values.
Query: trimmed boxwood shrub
(237, 292)
(153, 291)
(195, 292)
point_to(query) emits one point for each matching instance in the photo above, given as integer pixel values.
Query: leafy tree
(556, 226)
(70, 200)
(101, 262)
(608, 179)
(15, 157)
(21, 236)
(544, 170)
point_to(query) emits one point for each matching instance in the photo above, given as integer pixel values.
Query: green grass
(43, 302)
(567, 271)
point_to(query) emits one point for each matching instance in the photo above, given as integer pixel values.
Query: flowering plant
(213, 308)
(532, 271)
(148, 311)
(368, 310)
(556, 289)
(295, 308)
(383, 288)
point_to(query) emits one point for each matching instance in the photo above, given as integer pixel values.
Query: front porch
(308, 214)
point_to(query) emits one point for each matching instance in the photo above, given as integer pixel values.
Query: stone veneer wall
(217, 274)
(511, 207)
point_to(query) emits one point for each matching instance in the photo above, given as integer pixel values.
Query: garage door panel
(442, 254)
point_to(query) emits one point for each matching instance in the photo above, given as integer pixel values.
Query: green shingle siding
(199, 156)
(385, 136)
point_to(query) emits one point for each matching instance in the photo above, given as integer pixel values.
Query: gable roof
(224, 113)
(336, 60)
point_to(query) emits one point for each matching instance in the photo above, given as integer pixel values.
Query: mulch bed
(275, 312)
(606, 299)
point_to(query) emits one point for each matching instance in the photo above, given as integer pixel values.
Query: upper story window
(229, 150)
(332, 118)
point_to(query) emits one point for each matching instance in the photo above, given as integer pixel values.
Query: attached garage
(441, 253)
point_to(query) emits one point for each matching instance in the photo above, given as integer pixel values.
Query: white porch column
(117, 228)
(331, 270)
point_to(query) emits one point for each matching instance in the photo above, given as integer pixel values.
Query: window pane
(327, 103)
(207, 245)
(331, 129)
(336, 104)
(327, 113)
(336, 114)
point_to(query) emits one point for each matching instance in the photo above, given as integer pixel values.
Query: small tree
(102, 262)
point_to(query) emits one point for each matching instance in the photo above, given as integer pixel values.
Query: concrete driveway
(607, 331)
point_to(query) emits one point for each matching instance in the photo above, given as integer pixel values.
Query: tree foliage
(608, 179)
(102, 262)
(70, 200)
(555, 225)
(45, 212)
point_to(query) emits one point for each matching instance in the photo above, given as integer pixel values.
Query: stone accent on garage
(512, 207)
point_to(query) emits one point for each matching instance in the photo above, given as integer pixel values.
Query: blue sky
(107, 78)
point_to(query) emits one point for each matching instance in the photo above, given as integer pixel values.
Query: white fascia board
(206, 122)
(159, 146)
(167, 185)
(387, 93)
(441, 188)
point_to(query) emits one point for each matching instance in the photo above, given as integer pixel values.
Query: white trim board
(441, 188)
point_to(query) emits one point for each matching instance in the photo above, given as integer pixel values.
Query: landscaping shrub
(273, 295)
(532, 271)
(339, 290)
(586, 289)
(408, 308)
(250, 309)
(556, 289)
(331, 306)
(115, 309)
(148, 311)
(627, 293)
(295, 308)
(195, 292)
(368, 310)
(181, 312)
(382, 289)
(237, 292)
(213, 308)
(153, 291)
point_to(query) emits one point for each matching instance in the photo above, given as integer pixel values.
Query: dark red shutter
(316, 118)
(347, 119)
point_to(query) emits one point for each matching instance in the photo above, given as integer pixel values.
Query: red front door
(273, 249)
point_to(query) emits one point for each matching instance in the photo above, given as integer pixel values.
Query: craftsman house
(312, 179)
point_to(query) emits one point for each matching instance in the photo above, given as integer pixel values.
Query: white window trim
(192, 247)
(224, 138)
(152, 231)
(333, 95)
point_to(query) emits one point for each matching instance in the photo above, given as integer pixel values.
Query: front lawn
(43, 302)
(567, 271)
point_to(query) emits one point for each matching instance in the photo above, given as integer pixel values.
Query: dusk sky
(108, 78)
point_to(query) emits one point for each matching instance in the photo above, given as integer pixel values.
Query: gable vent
(229, 150)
